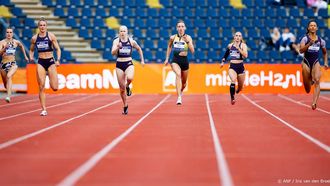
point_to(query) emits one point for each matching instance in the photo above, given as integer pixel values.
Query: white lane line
(310, 138)
(302, 104)
(17, 103)
(25, 137)
(324, 97)
(26, 101)
(224, 173)
(31, 111)
(72, 178)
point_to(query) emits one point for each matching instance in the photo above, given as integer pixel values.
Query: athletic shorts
(46, 63)
(6, 66)
(123, 65)
(310, 64)
(182, 61)
(237, 67)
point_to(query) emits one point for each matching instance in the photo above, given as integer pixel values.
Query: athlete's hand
(26, 59)
(166, 62)
(142, 62)
(7, 45)
(119, 45)
(222, 63)
(57, 63)
(311, 42)
(326, 66)
(32, 61)
(185, 38)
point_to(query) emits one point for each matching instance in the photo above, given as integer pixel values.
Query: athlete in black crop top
(237, 51)
(310, 46)
(45, 42)
(122, 47)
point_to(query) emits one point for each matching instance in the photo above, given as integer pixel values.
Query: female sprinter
(180, 43)
(237, 51)
(45, 42)
(8, 64)
(310, 46)
(122, 47)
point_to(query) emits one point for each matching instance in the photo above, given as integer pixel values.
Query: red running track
(85, 140)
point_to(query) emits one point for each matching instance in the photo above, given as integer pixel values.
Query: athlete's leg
(233, 78)
(4, 78)
(184, 78)
(240, 80)
(9, 83)
(306, 77)
(316, 75)
(177, 70)
(129, 72)
(53, 79)
(41, 77)
(178, 82)
(122, 85)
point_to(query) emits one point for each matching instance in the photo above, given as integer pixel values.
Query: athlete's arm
(325, 55)
(57, 48)
(304, 46)
(33, 42)
(189, 41)
(23, 50)
(243, 51)
(138, 48)
(115, 47)
(169, 48)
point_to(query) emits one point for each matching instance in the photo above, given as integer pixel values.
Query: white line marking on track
(17, 103)
(72, 178)
(25, 137)
(324, 97)
(60, 104)
(302, 104)
(224, 173)
(315, 141)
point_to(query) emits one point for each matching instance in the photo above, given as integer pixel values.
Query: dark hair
(309, 22)
(179, 21)
(10, 27)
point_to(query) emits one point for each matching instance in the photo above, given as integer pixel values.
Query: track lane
(33, 106)
(261, 151)
(173, 146)
(50, 156)
(323, 105)
(314, 123)
(16, 99)
(29, 123)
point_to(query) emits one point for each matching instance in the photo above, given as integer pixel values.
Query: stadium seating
(211, 23)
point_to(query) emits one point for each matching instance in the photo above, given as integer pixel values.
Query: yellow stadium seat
(4, 12)
(154, 4)
(112, 22)
(237, 4)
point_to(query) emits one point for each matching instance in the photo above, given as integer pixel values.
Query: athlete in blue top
(8, 63)
(122, 47)
(310, 46)
(237, 51)
(180, 43)
(45, 42)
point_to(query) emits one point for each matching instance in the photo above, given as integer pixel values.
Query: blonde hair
(130, 36)
(42, 19)
(242, 40)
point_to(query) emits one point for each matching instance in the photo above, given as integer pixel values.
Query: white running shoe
(8, 99)
(43, 113)
(179, 101)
